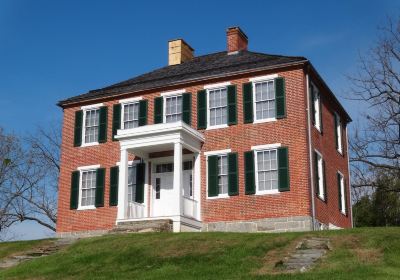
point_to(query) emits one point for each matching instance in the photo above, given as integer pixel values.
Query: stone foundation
(301, 223)
(81, 234)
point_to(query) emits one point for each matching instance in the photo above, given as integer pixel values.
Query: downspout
(348, 172)
(310, 151)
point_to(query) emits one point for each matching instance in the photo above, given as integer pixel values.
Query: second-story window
(264, 100)
(338, 133)
(130, 115)
(316, 107)
(173, 108)
(218, 106)
(91, 129)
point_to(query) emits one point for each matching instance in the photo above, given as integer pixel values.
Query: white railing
(135, 210)
(189, 207)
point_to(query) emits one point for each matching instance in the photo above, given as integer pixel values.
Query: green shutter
(233, 174)
(74, 190)
(312, 98)
(283, 169)
(142, 112)
(248, 102)
(339, 191)
(187, 108)
(325, 187)
(212, 176)
(335, 128)
(78, 128)
(280, 97)
(100, 182)
(232, 111)
(158, 109)
(116, 120)
(102, 124)
(140, 179)
(114, 176)
(316, 174)
(202, 109)
(250, 186)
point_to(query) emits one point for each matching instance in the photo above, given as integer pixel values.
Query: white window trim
(165, 104)
(264, 78)
(266, 147)
(173, 92)
(218, 85)
(269, 147)
(321, 188)
(317, 105)
(339, 134)
(343, 196)
(92, 106)
(216, 153)
(81, 169)
(85, 109)
(253, 85)
(131, 162)
(125, 103)
(130, 100)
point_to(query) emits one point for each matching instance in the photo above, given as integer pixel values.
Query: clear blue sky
(50, 50)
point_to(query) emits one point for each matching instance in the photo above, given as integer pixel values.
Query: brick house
(230, 141)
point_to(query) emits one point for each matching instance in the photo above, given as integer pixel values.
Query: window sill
(318, 129)
(340, 152)
(321, 198)
(217, 126)
(265, 120)
(267, 192)
(92, 207)
(90, 144)
(343, 213)
(218, 196)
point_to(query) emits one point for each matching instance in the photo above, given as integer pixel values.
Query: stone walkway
(44, 250)
(306, 254)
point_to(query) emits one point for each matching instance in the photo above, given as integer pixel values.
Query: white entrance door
(163, 193)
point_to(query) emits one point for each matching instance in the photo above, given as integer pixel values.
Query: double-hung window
(131, 183)
(264, 99)
(342, 193)
(338, 133)
(91, 126)
(173, 108)
(223, 175)
(266, 171)
(88, 188)
(130, 115)
(319, 175)
(218, 106)
(316, 106)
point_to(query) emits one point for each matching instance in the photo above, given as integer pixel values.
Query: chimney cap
(232, 28)
(183, 41)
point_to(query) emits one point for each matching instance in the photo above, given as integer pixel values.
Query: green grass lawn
(357, 254)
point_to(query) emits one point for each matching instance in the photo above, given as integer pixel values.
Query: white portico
(168, 186)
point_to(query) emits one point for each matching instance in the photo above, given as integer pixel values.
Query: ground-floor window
(131, 183)
(267, 170)
(88, 187)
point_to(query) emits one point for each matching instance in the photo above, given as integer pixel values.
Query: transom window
(173, 108)
(131, 183)
(88, 188)
(223, 174)
(264, 100)
(131, 115)
(164, 167)
(91, 125)
(218, 106)
(267, 170)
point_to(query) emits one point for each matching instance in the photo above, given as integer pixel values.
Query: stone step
(162, 225)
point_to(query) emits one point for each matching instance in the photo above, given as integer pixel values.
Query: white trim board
(217, 152)
(88, 167)
(92, 106)
(173, 92)
(266, 147)
(218, 85)
(129, 100)
(263, 78)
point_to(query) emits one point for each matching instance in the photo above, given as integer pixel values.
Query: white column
(178, 177)
(123, 186)
(197, 185)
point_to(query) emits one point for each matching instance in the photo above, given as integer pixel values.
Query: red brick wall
(328, 212)
(290, 131)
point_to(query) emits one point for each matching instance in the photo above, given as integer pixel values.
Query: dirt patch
(368, 255)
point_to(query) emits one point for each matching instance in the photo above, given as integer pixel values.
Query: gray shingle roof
(211, 65)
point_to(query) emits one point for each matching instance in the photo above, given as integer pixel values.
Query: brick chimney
(179, 51)
(236, 39)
